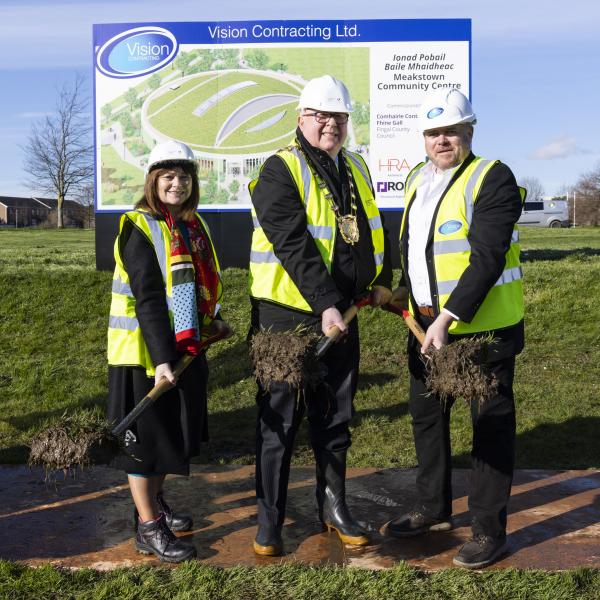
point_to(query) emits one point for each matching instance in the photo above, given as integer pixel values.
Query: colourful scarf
(195, 283)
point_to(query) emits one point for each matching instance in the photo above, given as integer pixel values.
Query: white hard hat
(443, 108)
(327, 94)
(170, 151)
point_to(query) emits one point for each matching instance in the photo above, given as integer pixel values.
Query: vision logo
(136, 52)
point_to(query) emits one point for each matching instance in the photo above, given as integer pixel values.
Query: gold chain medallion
(348, 227)
(347, 224)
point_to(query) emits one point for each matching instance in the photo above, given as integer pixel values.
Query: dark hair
(150, 200)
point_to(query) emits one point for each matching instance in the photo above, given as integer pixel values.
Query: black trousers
(281, 408)
(493, 447)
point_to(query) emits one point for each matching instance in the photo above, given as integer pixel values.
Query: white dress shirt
(429, 191)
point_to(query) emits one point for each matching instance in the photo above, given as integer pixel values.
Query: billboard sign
(229, 90)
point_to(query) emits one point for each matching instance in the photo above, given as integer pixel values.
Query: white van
(545, 213)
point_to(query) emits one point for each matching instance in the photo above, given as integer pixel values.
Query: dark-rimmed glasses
(323, 117)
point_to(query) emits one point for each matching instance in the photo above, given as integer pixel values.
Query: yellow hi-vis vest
(126, 345)
(503, 305)
(268, 279)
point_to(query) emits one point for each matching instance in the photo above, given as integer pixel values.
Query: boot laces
(166, 535)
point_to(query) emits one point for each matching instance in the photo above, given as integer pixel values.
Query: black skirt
(169, 433)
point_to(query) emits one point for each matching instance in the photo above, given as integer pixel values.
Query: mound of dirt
(288, 357)
(74, 441)
(458, 370)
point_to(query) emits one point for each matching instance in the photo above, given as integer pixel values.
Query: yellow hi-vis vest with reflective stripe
(503, 305)
(268, 279)
(126, 345)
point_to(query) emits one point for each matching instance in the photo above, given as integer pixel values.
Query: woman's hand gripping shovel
(221, 331)
(82, 438)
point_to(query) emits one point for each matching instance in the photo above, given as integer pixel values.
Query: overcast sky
(535, 69)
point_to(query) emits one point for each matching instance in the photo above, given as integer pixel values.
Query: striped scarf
(195, 283)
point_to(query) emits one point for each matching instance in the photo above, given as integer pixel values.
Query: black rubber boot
(331, 498)
(174, 522)
(155, 537)
(268, 541)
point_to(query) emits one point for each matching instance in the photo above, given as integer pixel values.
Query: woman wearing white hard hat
(165, 298)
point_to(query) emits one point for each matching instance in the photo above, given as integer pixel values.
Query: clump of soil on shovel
(77, 440)
(288, 357)
(458, 370)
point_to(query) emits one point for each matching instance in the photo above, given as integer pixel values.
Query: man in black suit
(461, 276)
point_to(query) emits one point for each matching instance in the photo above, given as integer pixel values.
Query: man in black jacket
(462, 277)
(318, 244)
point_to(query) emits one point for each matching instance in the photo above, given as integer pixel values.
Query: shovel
(410, 321)
(293, 357)
(457, 369)
(164, 384)
(80, 440)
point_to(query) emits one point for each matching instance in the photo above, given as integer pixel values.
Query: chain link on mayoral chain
(347, 224)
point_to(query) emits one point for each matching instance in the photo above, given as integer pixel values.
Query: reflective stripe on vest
(361, 167)
(482, 166)
(268, 279)
(508, 276)
(450, 246)
(503, 305)
(120, 287)
(128, 323)
(263, 257)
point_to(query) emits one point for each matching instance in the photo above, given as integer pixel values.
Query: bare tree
(534, 187)
(586, 198)
(86, 199)
(59, 151)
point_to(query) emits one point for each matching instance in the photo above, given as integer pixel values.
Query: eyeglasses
(323, 117)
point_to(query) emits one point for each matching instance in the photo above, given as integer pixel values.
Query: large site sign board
(230, 89)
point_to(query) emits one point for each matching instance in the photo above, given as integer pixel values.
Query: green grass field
(194, 581)
(52, 359)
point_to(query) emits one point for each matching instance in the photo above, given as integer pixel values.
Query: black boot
(155, 537)
(331, 498)
(268, 541)
(174, 522)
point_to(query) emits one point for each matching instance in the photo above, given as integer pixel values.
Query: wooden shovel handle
(410, 321)
(164, 384)
(413, 326)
